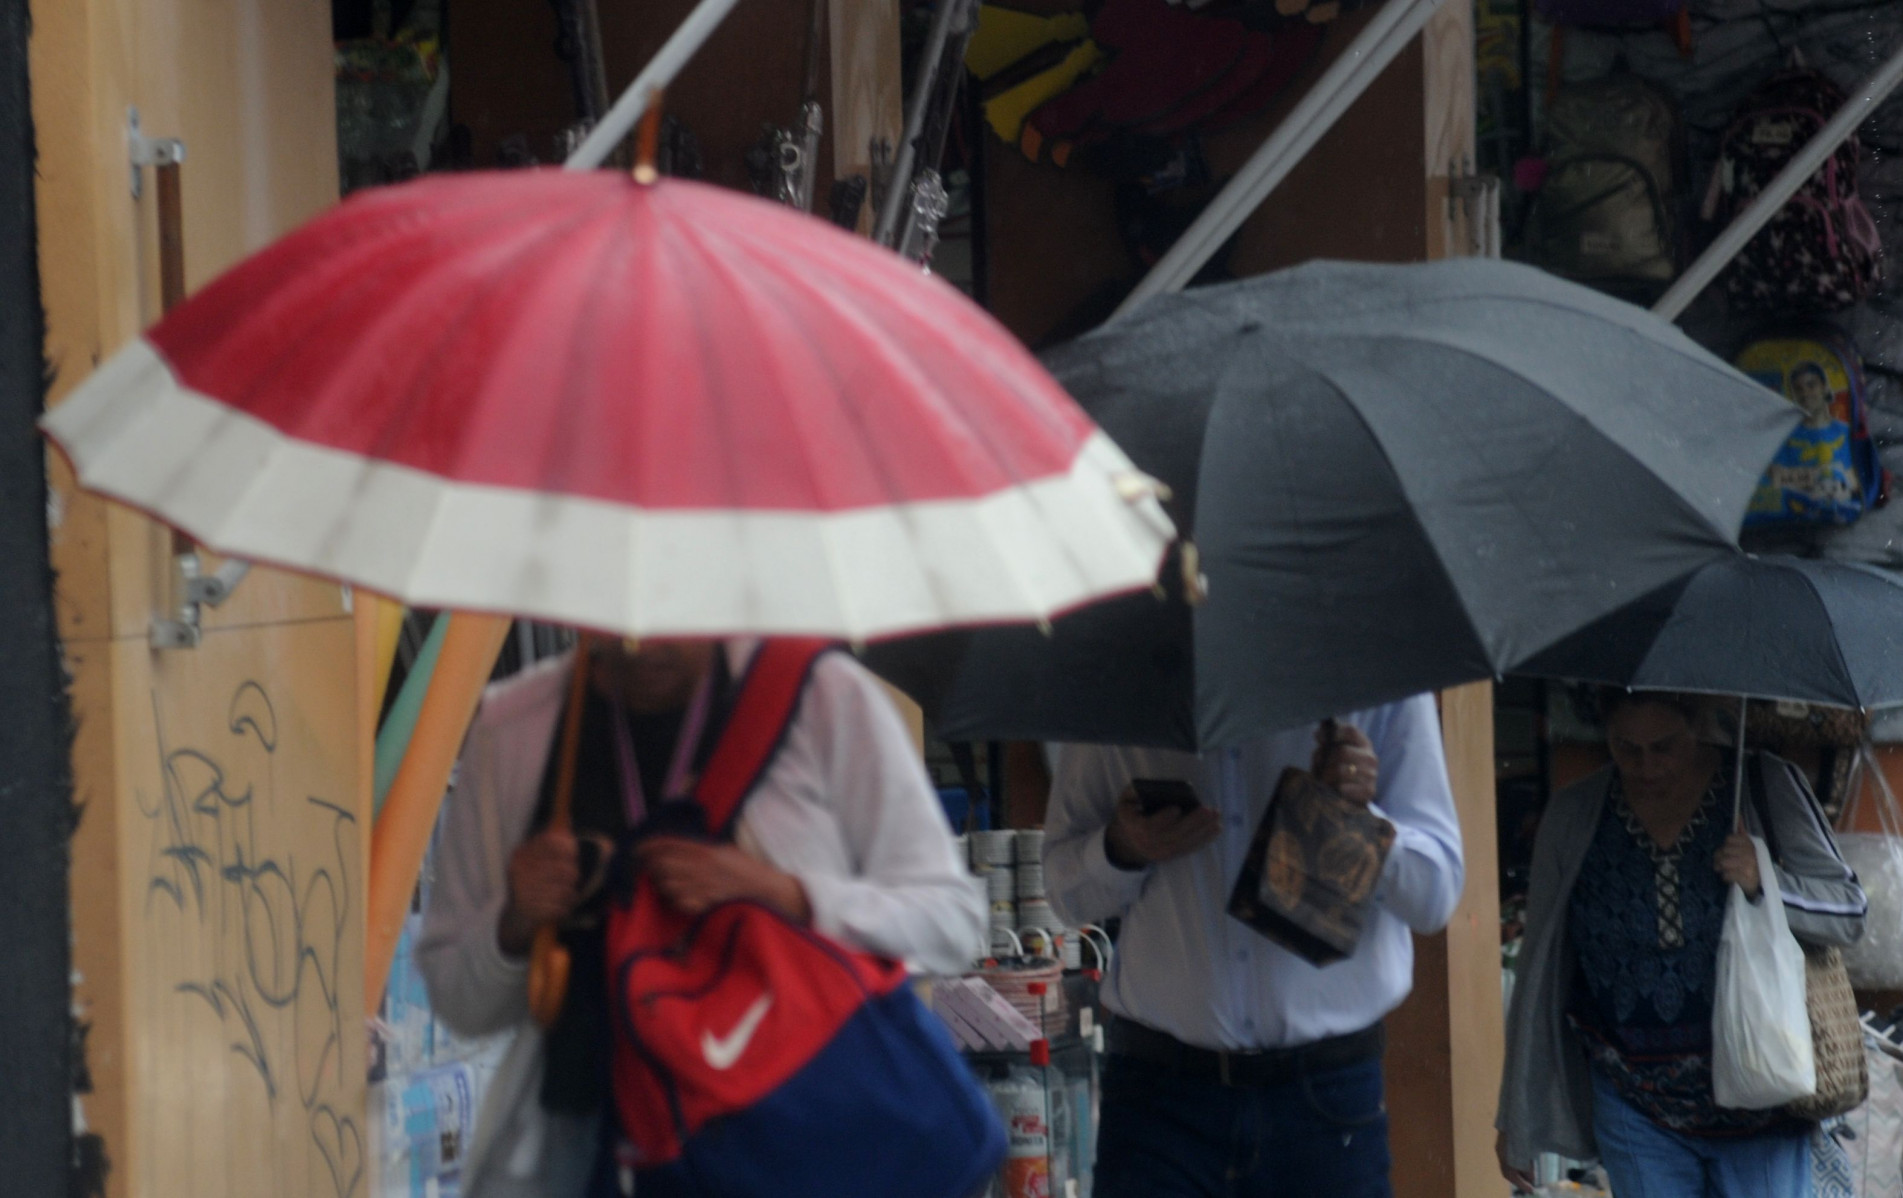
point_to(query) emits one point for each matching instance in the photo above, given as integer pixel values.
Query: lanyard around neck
(633, 794)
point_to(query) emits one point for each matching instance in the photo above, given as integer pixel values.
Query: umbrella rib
(1321, 339)
(498, 279)
(1703, 360)
(338, 303)
(1840, 663)
(897, 502)
(1292, 502)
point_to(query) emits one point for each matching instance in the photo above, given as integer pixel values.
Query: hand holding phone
(1158, 820)
(1156, 794)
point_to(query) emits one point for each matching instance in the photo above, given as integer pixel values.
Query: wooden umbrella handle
(548, 958)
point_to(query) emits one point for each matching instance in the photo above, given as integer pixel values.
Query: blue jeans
(1644, 1160)
(1168, 1136)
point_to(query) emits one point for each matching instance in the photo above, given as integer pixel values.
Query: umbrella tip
(1133, 486)
(1195, 582)
(648, 143)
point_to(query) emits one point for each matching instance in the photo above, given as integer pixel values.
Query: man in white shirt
(1237, 1067)
(842, 831)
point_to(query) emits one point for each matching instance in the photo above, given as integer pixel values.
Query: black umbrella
(1399, 478)
(1766, 628)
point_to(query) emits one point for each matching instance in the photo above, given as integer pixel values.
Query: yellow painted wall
(218, 865)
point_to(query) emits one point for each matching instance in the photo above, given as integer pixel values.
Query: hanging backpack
(1821, 252)
(756, 1057)
(1606, 212)
(1609, 12)
(1828, 472)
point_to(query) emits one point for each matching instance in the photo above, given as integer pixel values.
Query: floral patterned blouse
(1644, 922)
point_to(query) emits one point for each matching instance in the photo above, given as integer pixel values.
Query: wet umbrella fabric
(1769, 627)
(1399, 478)
(644, 408)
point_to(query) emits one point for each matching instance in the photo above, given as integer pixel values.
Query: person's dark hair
(1612, 699)
(1803, 368)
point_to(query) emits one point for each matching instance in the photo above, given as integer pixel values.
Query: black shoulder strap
(1760, 799)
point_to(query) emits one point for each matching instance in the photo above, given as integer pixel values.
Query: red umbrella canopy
(652, 408)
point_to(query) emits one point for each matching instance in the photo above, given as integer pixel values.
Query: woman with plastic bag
(1609, 1039)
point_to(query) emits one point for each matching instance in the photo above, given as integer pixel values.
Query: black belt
(1264, 1067)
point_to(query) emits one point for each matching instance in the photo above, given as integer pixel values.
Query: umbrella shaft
(660, 71)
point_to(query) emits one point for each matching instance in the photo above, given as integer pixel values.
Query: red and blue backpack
(754, 1056)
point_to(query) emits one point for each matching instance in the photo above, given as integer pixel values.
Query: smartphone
(1156, 794)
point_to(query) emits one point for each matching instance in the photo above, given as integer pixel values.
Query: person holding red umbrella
(842, 833)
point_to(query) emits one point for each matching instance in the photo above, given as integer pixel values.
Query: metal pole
(1378, 44)
(1794, 175)
(899, 192)
(660, 71)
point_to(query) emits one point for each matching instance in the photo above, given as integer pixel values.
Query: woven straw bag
(1843, 1071)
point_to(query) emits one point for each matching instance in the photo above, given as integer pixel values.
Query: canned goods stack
(991, 858)
(1038, 924)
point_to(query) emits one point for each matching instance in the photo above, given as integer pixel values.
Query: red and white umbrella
(654, 409)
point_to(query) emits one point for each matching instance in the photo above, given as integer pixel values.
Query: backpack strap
(762, 712)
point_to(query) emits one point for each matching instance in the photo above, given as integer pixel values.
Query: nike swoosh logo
(721, 1052)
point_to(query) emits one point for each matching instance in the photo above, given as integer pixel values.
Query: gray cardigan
(1546, 1092)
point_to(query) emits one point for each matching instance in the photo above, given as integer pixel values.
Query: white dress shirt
(845, 806)
(1184, 965)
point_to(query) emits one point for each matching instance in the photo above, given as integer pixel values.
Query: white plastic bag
(1760, 1025)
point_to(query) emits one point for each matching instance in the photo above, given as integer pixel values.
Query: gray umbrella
(1399, 478)
(1768, 628)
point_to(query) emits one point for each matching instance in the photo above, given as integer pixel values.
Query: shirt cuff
(1384, 885)
(490, 959)
(828, 899)
(1098, 867)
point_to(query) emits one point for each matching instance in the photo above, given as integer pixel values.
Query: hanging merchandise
(1606, 211)
(1020, 60)
(1822, 251)
(1170, 72)
(1875, 961)
(1828, 472)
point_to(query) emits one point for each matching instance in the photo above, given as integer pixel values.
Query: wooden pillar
(1447, 1042)
(221, 792)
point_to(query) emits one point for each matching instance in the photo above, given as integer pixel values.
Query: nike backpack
(757, 1057)
(1828, 472)
(1822, 251)
(1606, 213)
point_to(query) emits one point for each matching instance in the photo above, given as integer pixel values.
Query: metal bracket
(143, 151)
(197, 591)
(1477, 199)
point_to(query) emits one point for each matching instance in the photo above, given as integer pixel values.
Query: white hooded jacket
(846, 807)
